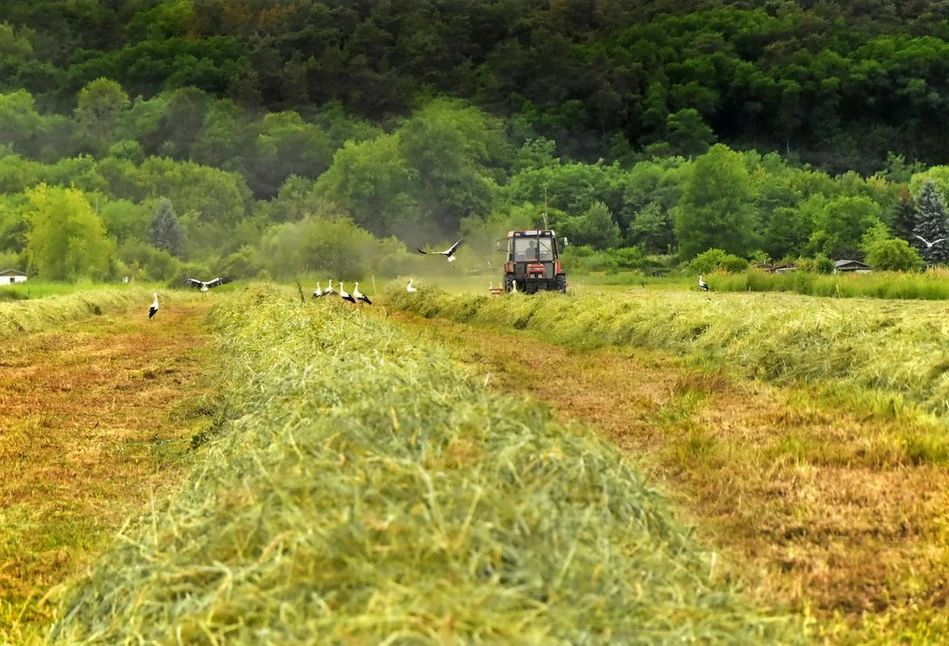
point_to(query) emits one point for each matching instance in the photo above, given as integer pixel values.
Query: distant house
(851, 266)
(8, 276)
(765, 266)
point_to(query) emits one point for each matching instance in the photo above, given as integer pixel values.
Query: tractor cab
(533, 261)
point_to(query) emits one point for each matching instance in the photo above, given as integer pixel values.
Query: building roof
(11, 272)
(844, 263)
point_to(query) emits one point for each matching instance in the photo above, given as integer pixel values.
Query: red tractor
(533, 262)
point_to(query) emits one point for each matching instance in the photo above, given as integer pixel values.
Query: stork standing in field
(329, 291)
(346, 296)
(205, 285)
(153, 310)
(929, 245)
(317, 292)
(359, 296)
(409, 287)
(448, 253)
(702, 284)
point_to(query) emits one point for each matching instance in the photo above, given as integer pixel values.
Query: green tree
(457, 152)
(688, 134)
(892, 254)
(716, 210)
(652, 229)
(165, 231)
(931, 223)
(595, 228)
(98, 107)
(373, 182)
(20, 123)
(66, 239)
(287, 145)
(842, 224)
(787, 232)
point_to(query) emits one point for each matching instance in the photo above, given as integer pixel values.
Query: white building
(8, 276)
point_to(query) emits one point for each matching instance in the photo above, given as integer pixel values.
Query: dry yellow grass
(85, 439)
(811, 495)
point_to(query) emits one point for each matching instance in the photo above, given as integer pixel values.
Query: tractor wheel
(562, 284)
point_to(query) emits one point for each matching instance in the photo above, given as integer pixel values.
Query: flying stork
(929, 245)
(205, 285)
(448, 253)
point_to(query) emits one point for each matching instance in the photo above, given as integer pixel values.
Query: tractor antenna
(545, 207)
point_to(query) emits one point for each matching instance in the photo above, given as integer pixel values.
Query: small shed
(851, 266)
(765, 266)
(784, 268)
(10, 276)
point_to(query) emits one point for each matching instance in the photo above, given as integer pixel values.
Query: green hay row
(366, 490)
(929, 285)
(898, 347)
(32, 315)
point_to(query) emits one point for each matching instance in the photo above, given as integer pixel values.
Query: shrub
(717, 260)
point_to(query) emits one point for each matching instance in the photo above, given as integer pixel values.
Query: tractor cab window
(528, 249)
(525, 249)
(546, 246)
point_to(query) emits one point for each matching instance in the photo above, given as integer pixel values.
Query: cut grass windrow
(812, 498)
(367, 490)
(26, 316)
(895, 348)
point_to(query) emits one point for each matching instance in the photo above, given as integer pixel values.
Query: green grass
(929, 285)
(21, 317)
(34, 289)
(367, 490)
(897, 349)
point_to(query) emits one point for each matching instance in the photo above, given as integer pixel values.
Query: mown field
(808, 436)
(651, 467)
(368, 489)
(96, 415)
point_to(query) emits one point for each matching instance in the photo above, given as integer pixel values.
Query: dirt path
(813, 499)
(89, 430)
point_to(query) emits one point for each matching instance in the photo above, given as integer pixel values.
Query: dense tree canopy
(220, 133)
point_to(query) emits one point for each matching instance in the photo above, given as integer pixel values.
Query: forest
(157, 138)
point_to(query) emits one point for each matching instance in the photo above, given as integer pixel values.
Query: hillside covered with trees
(155, 138)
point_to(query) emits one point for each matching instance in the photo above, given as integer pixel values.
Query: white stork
(346, 295)
(317, 292)
(153, 310)
(359, 296)
(448, 253)
(929, 245)
(205, 285)
(329, 291)
(409, 287)
(702, 284)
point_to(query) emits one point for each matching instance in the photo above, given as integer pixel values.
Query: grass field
(361, 483)
(368, 490)
(929, 285)
(894, 350)
(93, 427)
(810, 497)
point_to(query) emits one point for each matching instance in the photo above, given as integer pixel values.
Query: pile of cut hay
(32, 315)
(888, 346)
(366, 490)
